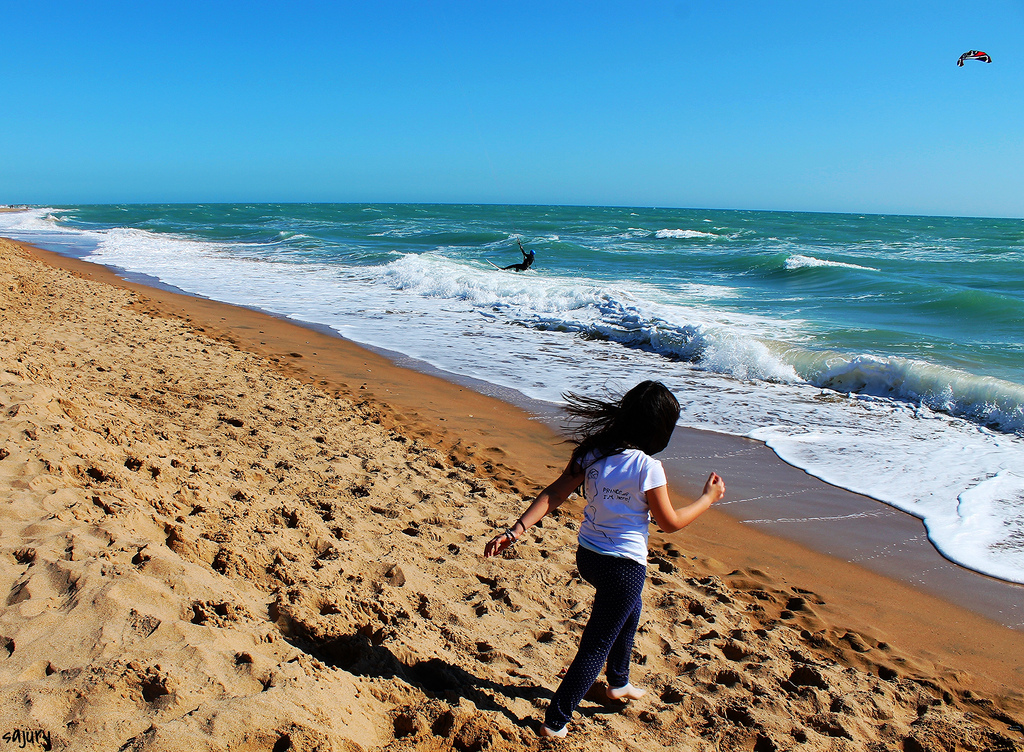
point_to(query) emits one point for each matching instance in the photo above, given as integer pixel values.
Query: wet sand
(224, 530)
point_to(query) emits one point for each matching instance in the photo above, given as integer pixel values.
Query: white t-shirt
(617, 516)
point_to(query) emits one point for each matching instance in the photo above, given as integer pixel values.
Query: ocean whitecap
(798, 261)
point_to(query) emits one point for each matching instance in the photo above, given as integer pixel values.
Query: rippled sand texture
(199, 552)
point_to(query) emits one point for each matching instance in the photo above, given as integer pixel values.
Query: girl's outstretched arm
(549, 499)
(671, 519)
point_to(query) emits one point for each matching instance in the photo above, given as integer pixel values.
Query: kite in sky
(974, 55)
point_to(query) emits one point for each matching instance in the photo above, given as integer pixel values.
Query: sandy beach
(221, 530)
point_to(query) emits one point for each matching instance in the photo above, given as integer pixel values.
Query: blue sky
(811, 106)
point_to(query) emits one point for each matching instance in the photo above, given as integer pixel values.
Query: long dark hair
(643, 418)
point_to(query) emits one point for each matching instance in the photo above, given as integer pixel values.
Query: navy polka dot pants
(608, 637)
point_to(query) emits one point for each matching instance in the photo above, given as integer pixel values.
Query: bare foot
(628, 692)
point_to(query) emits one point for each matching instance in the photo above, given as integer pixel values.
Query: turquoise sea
(883, 354)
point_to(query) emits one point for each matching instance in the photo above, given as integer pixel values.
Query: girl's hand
(499, 543)
(550, 498)
(714, 489)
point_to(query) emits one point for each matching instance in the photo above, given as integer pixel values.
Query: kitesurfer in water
(527, 260)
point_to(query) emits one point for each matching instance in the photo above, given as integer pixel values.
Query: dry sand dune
(199, 551)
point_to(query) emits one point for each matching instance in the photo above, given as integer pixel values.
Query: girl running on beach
(623, 487)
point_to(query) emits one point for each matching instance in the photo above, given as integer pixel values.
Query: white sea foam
(683, 234)
(981, 399)
(799, 261)
(963, 481)
(29, 220)
(697, 292)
